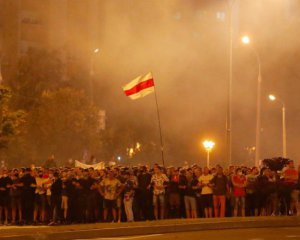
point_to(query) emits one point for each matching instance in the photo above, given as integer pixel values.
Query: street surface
(252, 228)
(238, 234)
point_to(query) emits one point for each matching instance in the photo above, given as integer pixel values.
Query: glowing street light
(273, 98)
(208, 145)
(96, 50)
(246, 41)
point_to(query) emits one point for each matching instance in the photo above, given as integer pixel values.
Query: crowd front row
(75, 195)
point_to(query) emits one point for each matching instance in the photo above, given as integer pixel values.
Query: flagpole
(159, 126)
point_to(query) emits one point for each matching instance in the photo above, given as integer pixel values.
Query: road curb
(155, 228)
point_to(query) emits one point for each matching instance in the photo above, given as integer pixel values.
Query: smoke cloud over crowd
(185, 44)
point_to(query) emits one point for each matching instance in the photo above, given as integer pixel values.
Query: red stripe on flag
(139, 87)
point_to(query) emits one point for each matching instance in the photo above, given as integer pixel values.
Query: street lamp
(92, 72)
(208, 145)
(284, 149)
(231, 4)
(246, 40)
(272, 97)
(92, 63)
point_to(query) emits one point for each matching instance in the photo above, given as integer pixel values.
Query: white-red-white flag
(139, 87)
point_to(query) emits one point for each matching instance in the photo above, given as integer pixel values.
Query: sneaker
(52, 223)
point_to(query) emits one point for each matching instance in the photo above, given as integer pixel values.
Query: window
(221, 16)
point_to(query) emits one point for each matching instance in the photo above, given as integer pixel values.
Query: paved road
(239, 234)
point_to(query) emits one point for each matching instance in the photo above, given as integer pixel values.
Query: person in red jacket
(239, 192)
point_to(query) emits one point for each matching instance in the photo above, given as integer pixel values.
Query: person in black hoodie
(5, 181)
(144, 194)
(90, 188)
(262, 191)
(56, 190)
(220, 190)
(29, 183)
(173, 194)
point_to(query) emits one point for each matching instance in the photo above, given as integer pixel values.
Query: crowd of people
(114, 194)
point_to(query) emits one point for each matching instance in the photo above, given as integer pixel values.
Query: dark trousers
(28, 206)
(145, 202)
(56, 207)
(251, 204)
(200, 208)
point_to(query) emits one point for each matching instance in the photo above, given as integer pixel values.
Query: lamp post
(246, 40)
(92, 72)
(208, 145)
(1, 79)
(284, 149)
(230, 79)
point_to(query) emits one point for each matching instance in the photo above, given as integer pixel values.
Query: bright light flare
(138, 147)
(272, 97)
(96, 50)
(245, 39)
(130, 152)
(208, 145)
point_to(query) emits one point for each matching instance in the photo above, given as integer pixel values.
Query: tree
(64, 124)
(11, 121)
(38, 71)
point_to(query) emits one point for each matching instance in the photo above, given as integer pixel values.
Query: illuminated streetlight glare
(246, 39)
(96, 50)
(272, 97)
(284, 149)
(208, 145)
